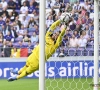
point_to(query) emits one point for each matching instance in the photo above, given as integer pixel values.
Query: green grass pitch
(51, 84)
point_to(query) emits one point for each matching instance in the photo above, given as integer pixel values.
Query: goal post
(96, 43)
(42, 45)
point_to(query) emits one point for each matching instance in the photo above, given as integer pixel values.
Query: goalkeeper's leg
(14, 71)
(30, 69)
(24, 68)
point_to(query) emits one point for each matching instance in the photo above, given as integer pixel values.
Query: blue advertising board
(58, 69)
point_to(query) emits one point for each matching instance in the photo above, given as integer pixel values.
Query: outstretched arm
(60, 37)
(53, 27)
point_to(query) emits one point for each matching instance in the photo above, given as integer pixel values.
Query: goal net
(72, 67)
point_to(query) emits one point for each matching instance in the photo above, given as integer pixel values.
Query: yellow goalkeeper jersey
(50, 46)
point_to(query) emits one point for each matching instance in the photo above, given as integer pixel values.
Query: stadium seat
(25, 44)
(89, 51)
(80, 51)
(15, 44)
(66, 51)
(18, 39)
(18, 11)
(30, 33)
(31, 29)
(72, 51)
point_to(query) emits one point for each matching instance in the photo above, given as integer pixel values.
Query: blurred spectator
(59, 14)
(15, 53)
(4, 30)
(2, 22)
(24, 22)
(8, 37)
(68, 34)
(27, 3)
(87, 29)
(24, 8)
(68, 8)
(53, 14)
(48, 3)
(36, 17)
(36, 29)
(3, 48)
(56, 4)
(26, 37)
(5, 11)
(62, 7)
(74, 15)
(16, 26)
(1, 9)
(65, 40)
(35, 4)
(34, 37)
(36, 44)
(13, 32)
(21, 31)
(91, 26)
(1, 37)
(18, 21)
(4, 4)
(7, 27)
(82, 42)
(11, 17)
(87, 19)
(10, 44)
(27, 16)
(4, 17)
(61, 54)
(14, 13)
(49, 21)
(11, 4)
(87, 6)
(85, 36)
(18, 4)
(77, 7)
(76, 34)
(29, 48)
(20, 44)
(73, 42)
(80, 20)
(31, 22)
(83, 11)
(92, 37)
(7, 49)
(78, 27)
(72, 25)
(31, 8)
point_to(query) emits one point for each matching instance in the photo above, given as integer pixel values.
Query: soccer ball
(65, 17)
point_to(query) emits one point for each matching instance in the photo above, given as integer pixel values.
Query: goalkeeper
(53, 41)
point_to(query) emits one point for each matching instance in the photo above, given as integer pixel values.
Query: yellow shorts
(33, 63)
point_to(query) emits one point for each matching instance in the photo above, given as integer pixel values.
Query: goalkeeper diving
(52, 42)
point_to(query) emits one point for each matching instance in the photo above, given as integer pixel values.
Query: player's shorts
(33, 63)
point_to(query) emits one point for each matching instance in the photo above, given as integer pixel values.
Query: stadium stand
(19, 26)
